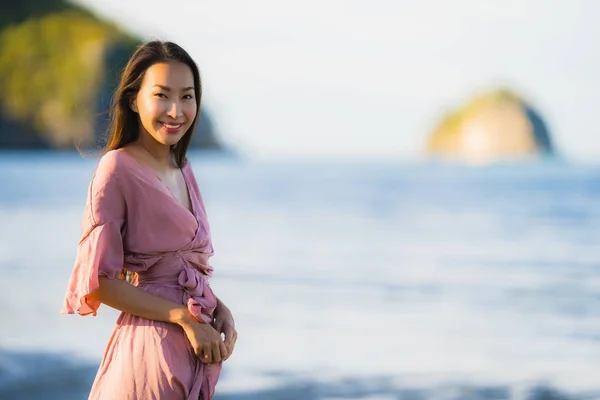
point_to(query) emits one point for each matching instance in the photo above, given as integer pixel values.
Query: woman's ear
(133, 105)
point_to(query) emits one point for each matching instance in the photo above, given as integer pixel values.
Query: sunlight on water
(368, 281)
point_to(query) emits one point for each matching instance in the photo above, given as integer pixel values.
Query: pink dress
(132, 220)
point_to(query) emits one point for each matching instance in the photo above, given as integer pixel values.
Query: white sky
(371, 78)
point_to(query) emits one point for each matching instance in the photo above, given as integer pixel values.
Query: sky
(370, 79)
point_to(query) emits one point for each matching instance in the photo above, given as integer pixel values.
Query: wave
(49, 376)
(41, 375)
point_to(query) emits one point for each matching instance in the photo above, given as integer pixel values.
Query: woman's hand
(225, 324)
(205, 341)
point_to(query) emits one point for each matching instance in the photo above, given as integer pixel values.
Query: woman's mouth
(171, 128)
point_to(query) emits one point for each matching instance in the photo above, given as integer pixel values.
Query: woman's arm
(123, 296)
(225, 324)
(220, 305)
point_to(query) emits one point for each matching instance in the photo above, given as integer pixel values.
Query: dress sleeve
(100, 249)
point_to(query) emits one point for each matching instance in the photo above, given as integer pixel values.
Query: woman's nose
(175, 110)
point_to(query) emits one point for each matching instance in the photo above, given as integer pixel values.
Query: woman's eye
(160, 95)
(188, 97)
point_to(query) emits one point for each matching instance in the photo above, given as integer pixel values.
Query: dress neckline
(169, 193)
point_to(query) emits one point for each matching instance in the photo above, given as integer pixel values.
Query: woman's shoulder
(189, 170)
(113, 166)
(113, 161)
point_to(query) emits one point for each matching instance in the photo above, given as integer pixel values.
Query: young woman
(145, 218)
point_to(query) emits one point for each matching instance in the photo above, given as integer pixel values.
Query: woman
(145, 218)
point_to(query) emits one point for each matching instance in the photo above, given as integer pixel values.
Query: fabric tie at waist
(200, 300)
(176, 269)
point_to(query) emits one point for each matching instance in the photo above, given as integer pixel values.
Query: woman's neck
(160, 153)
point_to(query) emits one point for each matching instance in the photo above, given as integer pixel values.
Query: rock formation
(494, 126)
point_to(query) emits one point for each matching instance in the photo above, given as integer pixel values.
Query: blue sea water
(348, 279)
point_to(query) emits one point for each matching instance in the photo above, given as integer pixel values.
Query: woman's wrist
(182, 316)
(220, 306)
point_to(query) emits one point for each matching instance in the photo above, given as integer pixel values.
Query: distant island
(59, 65)
(494, 126)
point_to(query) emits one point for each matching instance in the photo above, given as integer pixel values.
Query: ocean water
(348, 280)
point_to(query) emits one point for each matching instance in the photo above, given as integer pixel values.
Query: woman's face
(166, 102)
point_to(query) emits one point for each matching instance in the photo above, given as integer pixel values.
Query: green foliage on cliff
(59, 65)
(51, 72)
(14, 12)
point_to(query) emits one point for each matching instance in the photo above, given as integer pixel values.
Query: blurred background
(404, 196)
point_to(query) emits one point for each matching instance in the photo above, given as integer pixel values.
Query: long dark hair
(124, 122)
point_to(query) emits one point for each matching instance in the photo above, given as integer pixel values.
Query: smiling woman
(167, 109)
(145, 218)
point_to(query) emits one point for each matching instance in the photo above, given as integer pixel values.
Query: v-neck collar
(190, 192)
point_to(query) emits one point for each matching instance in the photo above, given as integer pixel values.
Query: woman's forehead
(171, 75)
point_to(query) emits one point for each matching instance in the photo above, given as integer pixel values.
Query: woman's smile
(171, 128)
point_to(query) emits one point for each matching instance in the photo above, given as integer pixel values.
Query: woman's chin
(167, 139)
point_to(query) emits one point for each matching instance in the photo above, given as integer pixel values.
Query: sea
(348, 279)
